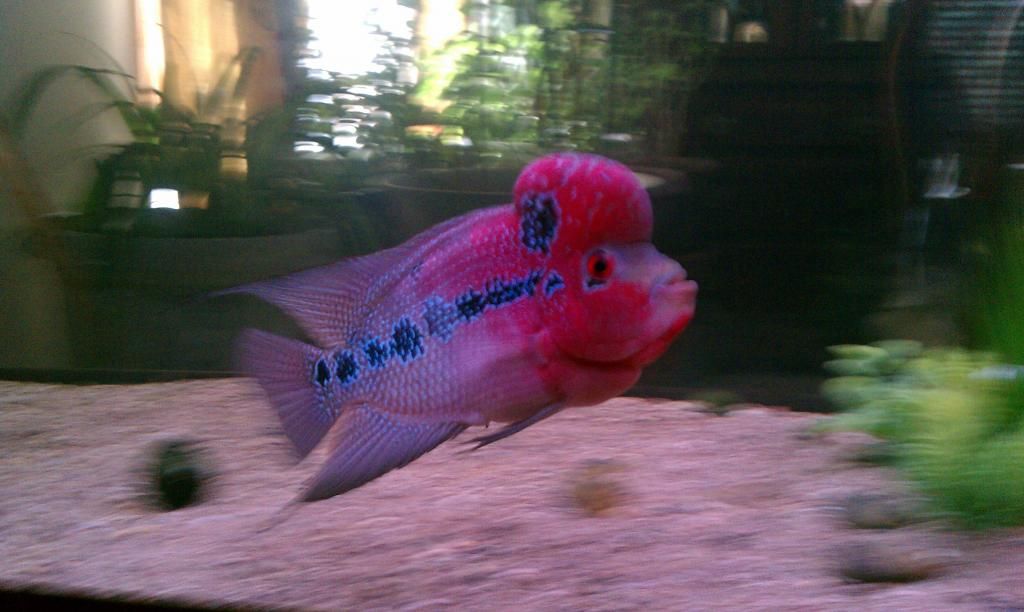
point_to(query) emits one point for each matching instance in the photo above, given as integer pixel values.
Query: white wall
(38, 33)
(58, 147)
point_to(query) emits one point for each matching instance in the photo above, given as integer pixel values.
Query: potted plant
(126, 262)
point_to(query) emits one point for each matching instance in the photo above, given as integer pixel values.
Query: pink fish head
(616, 299)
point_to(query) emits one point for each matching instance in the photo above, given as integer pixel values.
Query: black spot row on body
(539, 221)
(321, 373)
(498, 293)
(407, 339)
(377, 353)
(406, 342)
(344, 367)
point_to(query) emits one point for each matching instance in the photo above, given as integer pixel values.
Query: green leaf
(849, 391)
(900, 349)
(857, 351)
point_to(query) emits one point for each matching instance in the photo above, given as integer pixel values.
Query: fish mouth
(677, 296)
(650, 353)
(676, 288)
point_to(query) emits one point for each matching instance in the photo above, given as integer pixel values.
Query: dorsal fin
(328, 301)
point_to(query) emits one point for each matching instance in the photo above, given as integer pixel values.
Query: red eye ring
(600, 265)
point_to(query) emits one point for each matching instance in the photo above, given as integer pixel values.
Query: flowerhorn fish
(507, 314)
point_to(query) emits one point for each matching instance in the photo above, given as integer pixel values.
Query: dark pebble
(880, 562)
(178, 473)
(876, 511)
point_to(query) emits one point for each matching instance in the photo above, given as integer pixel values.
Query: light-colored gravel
(734, 512)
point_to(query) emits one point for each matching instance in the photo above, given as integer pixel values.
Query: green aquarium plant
(953, 417)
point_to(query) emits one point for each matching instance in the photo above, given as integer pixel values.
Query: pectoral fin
(516, 427)
(367, 443)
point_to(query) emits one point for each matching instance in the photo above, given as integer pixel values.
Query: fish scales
(506, 314)
(489, 284)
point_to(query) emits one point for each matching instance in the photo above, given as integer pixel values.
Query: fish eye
(600, 266)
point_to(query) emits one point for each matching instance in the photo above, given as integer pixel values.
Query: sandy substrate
(735, 512)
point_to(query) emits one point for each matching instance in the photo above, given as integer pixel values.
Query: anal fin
(367, 443)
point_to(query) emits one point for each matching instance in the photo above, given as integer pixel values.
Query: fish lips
(674, 288)
(676, 293)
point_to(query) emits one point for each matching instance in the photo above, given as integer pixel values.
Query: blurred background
(830, 171)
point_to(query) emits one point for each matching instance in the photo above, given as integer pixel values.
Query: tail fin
(287, 370)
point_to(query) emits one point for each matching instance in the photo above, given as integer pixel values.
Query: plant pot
(130, 297)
